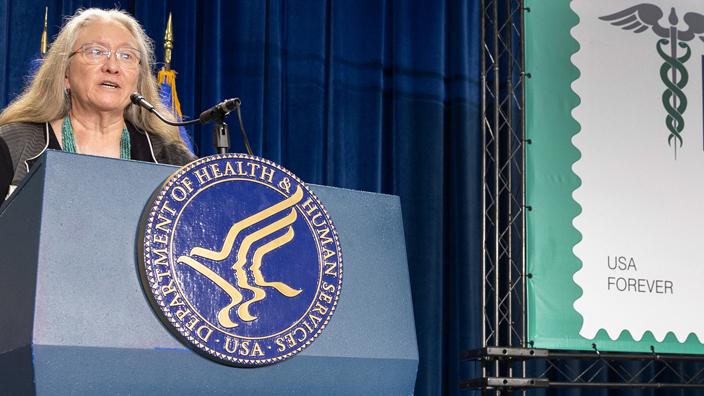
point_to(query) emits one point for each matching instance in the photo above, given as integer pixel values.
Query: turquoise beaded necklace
(69, 143)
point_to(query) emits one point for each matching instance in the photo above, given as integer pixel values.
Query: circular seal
(240, 260)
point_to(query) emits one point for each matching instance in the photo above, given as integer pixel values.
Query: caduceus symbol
(242, 253)
(672, 72)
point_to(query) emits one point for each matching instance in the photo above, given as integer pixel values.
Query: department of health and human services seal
(240, 260)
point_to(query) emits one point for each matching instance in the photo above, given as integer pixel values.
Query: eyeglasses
(95, 53)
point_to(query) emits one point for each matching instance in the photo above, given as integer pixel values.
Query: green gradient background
(553, 322)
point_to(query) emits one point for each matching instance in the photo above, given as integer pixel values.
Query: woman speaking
(79, 100)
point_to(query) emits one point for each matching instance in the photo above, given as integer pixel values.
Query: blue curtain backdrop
(375, 95)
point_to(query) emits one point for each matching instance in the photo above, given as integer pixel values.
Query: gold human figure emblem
(241, 254)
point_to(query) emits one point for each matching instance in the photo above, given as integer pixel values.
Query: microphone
(221, 138)
(139, 100)
(218, 112)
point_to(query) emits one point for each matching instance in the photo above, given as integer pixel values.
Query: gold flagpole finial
(168, 44)
(45, 41)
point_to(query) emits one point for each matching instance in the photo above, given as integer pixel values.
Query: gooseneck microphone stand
(221, 136)
(221, 132)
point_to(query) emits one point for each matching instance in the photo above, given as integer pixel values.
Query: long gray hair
(44, 98)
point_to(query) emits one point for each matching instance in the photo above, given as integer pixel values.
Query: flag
(34, 66)
(167, 85)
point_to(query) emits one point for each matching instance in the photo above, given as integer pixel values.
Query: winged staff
(673, 73)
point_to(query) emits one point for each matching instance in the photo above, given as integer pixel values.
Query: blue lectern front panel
(94, 329)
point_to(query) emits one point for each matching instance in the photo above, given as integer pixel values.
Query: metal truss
(508, 361)
(503, 264)
(588, 370)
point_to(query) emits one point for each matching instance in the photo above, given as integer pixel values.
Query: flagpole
(167, 77)
(167, 83)
(168, 44)
(45, 41)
